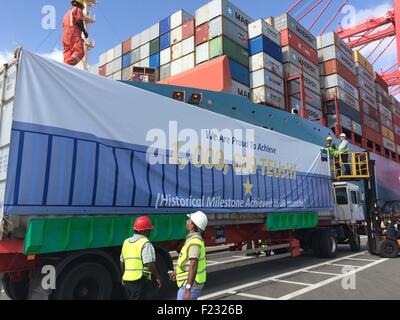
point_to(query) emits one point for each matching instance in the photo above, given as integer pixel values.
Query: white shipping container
(370, 99)
(188, 62)
(135, 42)
(309, 81)
(127, 73)
(103, 59)
(176, 67)
(334, 52)
(155, 31)
(110, 55)
(241, 90)
(330, 39)
(176, 52)
(263, 61)
(261, 27)
(385, 111)
(145, 63)
(109, 69)
(179, 18)
(336, 80)
(346, 122)
(357, 128)
(117, 76)
(202, 53)
(361, 71)
(145, 37)
(291, 55)
(227, 9)
(145, 51)
(165, 71)
(222, 26)
(388, 144)
(339, 93)
(263, 77)
(118, 51)
(268, 96)
(202, 15)
(176, 35)
(165, 56)
(313, 113)
(188, 46)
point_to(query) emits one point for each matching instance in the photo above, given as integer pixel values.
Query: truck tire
(315, 240)
(16, 290)
(327, 244)
(388, 249)
(355, 242)
(84, 281)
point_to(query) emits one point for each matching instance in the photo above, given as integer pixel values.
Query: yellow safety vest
(132, 254)
(181, 273)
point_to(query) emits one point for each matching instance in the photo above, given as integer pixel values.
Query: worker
(190, 273)
(73, 26)
(331, 146)
(138, 261)
(344, 151)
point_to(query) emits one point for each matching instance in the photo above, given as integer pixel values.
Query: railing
(351, 166)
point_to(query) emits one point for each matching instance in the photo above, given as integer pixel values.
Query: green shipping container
(155, 46)
(135, 56)
(225, 46)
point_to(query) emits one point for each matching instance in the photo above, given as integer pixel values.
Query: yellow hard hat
(329, 138)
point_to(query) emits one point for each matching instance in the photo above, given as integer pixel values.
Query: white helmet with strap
(199, 219)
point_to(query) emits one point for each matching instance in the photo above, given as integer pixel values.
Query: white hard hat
(199, 219)
(343, 135)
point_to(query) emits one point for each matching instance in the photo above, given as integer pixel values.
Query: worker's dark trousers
(138, 290)
(345, 159)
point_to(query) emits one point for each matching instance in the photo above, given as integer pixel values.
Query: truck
(83, 156)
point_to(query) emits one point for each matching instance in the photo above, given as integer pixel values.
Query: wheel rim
(388, 249)
(86, 289)
(333, 245)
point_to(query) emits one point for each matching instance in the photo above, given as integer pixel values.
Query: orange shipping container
(289, 38)
(335, 67)
(126, 46)
(373, 136)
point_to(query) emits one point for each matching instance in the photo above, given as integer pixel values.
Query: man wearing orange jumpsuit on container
(73, 26)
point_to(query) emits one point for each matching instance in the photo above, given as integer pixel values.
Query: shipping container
(268, 96)
(202, 33)
(117, 76)
(389, 144)
(135, 41)
(102, 70)
(346, 122)
(386, 123)
(330, 39)
(145, 63)
(311, 98)
(371, 123)
(313, 113)
(367, 97)
(154, 46)
(261, 27)
(188, 29)
(309, 82)
(165, 40)
(336, 80)
(126, 60)
(135, 56)
(263, 44)
(202, 15)
(155, 31)
(165, 25)
(357, 128)
(118, 51)
(264, 61)
(145, 37)
(366, 86)
(379, 80)
(165, 56)
(289, 38)
(225, 46)
(188, 62)
(110, 55)
(155, 60)
(145, 51)
(176, 35)
(285, 21)
(340, 94)
(359, 59)
(365, 75)
(385, 112)
(343, 108)
(227, 9)
(222, 26)
(396, 120)
(334, 52)
(188, 46)
(369, 110)
(103, 59)
(202, 53)
(239, 72)
(165, 71)
(372, 135)
(179, 18)
(176, 52)
(241, 90)
(126, 74)
(176, 67)
(263, 77)
(334, 66)
(127, 46)
(292, 56)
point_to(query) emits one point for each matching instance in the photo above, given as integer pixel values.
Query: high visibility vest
(344, 151)
(132, 254)
(183, 260)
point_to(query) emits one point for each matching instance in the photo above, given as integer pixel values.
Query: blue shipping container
(263, 44)
(155, 60)
(126, 60)
(239, 72)
(165, 41)
(165, 25)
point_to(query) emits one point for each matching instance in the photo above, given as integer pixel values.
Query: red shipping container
(188, 29)
(373, 136)
(126, 46)
(396, 120)
(382, 83)
(397, 139)
(102, 70)
(289, 38)
(334, 66)
(201, 34)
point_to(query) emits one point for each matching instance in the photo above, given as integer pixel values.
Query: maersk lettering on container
(340, 94)
(336, 80)
(291, 55)
(334, 52)
(240, 90)
(225, 8)
(366, 86)
(309, 82)
(313, 113)
(222, 26)
(264, 61)
(268, 96)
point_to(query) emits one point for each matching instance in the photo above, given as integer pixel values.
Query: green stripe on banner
(290, 221)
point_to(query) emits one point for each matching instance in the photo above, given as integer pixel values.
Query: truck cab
(349, 202)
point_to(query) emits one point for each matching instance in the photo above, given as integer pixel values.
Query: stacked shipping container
(339, 84)
(266, 69)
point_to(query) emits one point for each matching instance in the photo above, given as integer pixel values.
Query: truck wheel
(315, 240)
(388, 249)
(16, 290)
(84, 281)
(327, 244)
(355, 242)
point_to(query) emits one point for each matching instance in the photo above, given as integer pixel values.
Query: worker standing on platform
(190, 273)
(138, 261)
(344, 151)
(331, 147)
(73, 26)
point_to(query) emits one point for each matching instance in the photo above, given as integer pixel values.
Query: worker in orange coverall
(73, 26)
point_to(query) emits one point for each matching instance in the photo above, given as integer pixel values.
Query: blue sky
(20, 23)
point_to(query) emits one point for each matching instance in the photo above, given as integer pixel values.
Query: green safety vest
(132, 254)
(183, 260)
(345, 151)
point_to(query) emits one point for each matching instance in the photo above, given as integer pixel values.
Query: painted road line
(342, 265)
(328, 281)
(222, 292)
(323, 273)
(254, 296)
(292, 282)
(362, 259)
